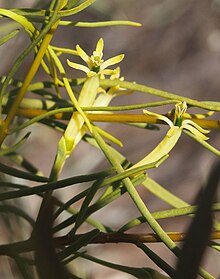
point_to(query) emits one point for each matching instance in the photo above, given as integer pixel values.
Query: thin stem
(99, 24)
(135, 196)
(101, 238)
(65, 114)
(156, 92)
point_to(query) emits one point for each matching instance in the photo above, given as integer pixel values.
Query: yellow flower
(95, 63)
(187, 124)
(169, 141)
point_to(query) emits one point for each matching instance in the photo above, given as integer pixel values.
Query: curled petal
(101, 90)
(195, 131)
(112, 61)
(160, 117)
(192, 123)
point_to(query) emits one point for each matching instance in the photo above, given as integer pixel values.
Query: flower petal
(116, 74)
(99, 48)
(89, 91)
(160, 117)
(78, 66)
(192, 123)
(112, 61)
(108, 72)
(195, 131)
(85, 57)
(163, 148)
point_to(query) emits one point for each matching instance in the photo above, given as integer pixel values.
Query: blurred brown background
(177, 49)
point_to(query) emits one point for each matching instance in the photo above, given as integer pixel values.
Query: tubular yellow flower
(173, 134)
(96, 69)
(75, 128)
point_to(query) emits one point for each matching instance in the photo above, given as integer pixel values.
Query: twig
(13, 249)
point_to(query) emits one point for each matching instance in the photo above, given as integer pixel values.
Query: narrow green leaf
(82, 215)
(72, 3)
(21, 161)
(156, 92)
(21, 174)
(142, 272)
(9, 36)
(45, 187)
(77, 9)
(6, 151)
(156, 259)
(164, 214)
(99, 24)
(94, 207)
(163, 193)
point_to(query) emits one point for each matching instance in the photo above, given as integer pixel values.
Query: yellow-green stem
(30, 75)
(114, 117)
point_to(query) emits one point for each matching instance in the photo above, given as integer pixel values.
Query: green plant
(88, 102)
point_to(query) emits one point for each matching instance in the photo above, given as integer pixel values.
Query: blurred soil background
(177, 49)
